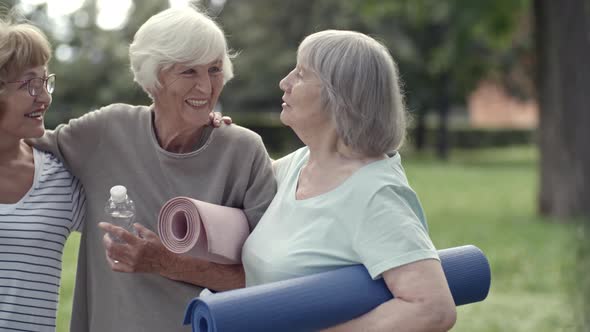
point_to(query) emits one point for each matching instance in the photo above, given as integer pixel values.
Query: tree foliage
(443, 48)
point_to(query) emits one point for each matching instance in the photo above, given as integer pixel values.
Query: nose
(285, 83)
(44, 96)
(204, 84)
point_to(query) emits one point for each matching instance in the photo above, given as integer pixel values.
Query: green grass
(488, 198)
(68, 276)
(485, 198)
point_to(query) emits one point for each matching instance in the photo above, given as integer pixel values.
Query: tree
(444, 48)
(266, 34)
(563, 79)
(563, 76)
(98, 74)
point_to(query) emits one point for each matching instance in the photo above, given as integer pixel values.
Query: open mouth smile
(196, 102)
(34, 115)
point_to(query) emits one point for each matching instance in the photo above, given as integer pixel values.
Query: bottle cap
(118, 193)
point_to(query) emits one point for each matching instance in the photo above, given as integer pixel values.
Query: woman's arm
(145, 253)
(422, 302)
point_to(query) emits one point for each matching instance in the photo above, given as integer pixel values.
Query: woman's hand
(142, 253)
(215, 119)
(146, 253)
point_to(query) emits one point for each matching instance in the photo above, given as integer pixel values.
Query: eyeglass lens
(36, 85)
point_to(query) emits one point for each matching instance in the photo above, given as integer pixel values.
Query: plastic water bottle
(120, 209)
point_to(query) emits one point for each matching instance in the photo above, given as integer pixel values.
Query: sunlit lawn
(68, 275)
(485, 198)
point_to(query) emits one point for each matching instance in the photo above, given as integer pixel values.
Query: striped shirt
(33, 233)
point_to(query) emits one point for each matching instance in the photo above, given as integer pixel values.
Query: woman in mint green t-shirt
(344, 198)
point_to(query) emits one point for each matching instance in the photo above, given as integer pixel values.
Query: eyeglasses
(35, 85)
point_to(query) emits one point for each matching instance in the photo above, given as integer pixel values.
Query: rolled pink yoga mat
(203, 230)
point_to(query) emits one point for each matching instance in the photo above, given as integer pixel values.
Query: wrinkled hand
(215, 119)
(142, 253)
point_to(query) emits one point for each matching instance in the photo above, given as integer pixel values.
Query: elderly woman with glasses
(180, 59)
(41, 203)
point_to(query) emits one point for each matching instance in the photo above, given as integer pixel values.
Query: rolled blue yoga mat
(326, 299)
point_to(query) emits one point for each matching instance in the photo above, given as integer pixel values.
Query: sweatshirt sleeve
(75, 142)
(261, 185)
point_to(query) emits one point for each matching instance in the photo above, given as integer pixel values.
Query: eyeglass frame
(45, 80)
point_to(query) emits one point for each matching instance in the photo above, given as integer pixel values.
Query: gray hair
(360, 89)
(176, 35)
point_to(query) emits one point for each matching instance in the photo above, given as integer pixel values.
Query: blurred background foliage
(443, 49)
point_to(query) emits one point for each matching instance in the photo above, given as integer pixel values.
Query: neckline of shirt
(390, 161)
(204, 141)
(38, 161)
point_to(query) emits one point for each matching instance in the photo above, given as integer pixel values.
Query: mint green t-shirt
(373, 218)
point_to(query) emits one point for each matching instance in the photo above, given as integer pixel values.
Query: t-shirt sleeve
(261, 185)
(78, 206)
(392, 235)
(75, 142)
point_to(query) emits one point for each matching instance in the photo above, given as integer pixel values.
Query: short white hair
(176, 36)
(360, 89)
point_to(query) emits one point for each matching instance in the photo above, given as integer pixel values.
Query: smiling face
(188, 93)
(21, 115)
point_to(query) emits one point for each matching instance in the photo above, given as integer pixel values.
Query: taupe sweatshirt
(116, 145)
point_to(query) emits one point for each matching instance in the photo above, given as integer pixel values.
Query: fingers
(144, 253)
(118, 232)
(114, 264)
(115, 252)
(118, 266)
(216, 119)
(118, 252)
(143, 232)
(227, 120)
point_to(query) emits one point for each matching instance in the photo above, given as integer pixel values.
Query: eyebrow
(302, 66)
(304, 71)
(31, 74)
(212, 63)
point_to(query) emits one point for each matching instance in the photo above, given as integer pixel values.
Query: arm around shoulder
(74, 142)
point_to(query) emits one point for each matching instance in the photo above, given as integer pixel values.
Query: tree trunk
(444, 107)
(563, 78)
(420, 130)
